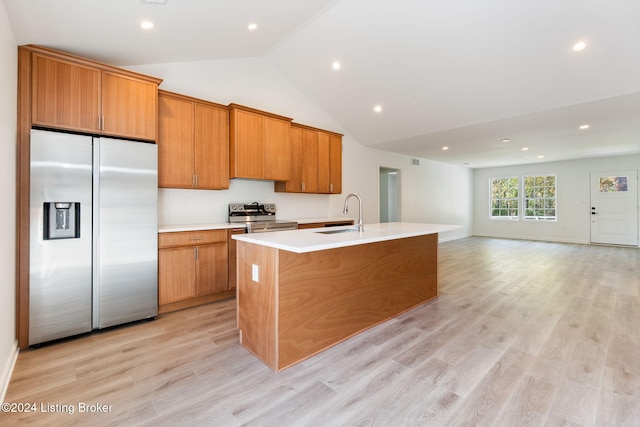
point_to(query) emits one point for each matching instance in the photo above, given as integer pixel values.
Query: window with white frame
(536, 200)
(504, 197)
(540, 197)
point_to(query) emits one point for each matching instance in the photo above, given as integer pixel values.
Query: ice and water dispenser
(61, 220)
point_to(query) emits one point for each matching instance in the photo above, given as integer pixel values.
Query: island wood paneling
(328, 296)
(258, 301)
(305, 303)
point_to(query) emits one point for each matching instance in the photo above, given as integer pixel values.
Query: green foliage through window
(504, 198)
(538, 197)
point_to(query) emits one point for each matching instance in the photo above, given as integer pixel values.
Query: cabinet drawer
(191, 238)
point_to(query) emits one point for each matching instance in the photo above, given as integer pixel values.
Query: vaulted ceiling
(462, 74)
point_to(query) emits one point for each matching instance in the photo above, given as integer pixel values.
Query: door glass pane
(613, 184)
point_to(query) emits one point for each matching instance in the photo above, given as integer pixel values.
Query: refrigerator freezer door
(126, 229)
(59, 268)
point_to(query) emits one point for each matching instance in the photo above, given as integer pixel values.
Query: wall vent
(415, 162)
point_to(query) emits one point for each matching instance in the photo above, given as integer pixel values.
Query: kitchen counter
(194, 227)
(320, 220)
(315, 239)
(300, 292)
(226, 225)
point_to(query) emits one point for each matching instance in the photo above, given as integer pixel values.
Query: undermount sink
(343, 230)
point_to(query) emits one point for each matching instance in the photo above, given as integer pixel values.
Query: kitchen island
(300, 292)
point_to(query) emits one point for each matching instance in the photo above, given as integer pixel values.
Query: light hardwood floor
(523, 333)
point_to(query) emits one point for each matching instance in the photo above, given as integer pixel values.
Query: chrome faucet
(360, 225)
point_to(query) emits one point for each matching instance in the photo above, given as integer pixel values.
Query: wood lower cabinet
(316, 162)
(77, 94)
(259, 144)
(193, 143)
(192, 269)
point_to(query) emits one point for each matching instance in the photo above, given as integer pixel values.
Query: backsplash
(177, 206)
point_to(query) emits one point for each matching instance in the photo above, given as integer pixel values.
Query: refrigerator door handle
(96, 236)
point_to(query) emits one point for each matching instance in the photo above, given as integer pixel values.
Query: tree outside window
(504, 198)
(540, 197)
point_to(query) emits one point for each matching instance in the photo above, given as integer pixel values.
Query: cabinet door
(247, 145)
(294, 185)
(65, 95)
(309, 161)
(211, 269)
(176, 274)
(211, 141)
(324, 175)
(277, 149)
(129, 107)
(335, 164)
(175, 143)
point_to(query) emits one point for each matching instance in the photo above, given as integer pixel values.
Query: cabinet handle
(196, 180)
(303, 186)
(195, 238)
(196, 252)
(193, 180)
(330, 188)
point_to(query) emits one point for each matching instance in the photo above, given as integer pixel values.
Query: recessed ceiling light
(377, 108)
(584, 127)
(505, 140)
(335, 65)
(146, 25)
(541, 157)
(252, 26)
(445, 148)
(525, 148)
(579, 46)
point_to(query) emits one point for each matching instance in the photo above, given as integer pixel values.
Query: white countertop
(325, 219)
(310, 240)
(226, 225)
(195, 227)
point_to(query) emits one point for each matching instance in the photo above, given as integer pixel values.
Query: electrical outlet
(254, 272)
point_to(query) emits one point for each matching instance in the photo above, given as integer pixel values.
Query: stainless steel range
(258, 217)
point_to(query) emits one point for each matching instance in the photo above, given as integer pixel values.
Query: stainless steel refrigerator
(93, 234)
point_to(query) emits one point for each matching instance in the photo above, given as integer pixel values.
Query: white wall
(573, 199)
(431, 192)
(8, 94)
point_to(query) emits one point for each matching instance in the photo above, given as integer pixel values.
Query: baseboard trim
(449, 239)
(532, 238)
(8, 370)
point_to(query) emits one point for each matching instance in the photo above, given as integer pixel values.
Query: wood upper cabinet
(277, 149)
(335, 163)
(259, 144)
(129, 107)
(65, 95)
(316, 162)
(73, 93)
(193, 143)
(211, 142)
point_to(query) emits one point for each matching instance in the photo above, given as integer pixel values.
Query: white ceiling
(458, 73)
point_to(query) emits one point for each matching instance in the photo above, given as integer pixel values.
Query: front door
(614, 207)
